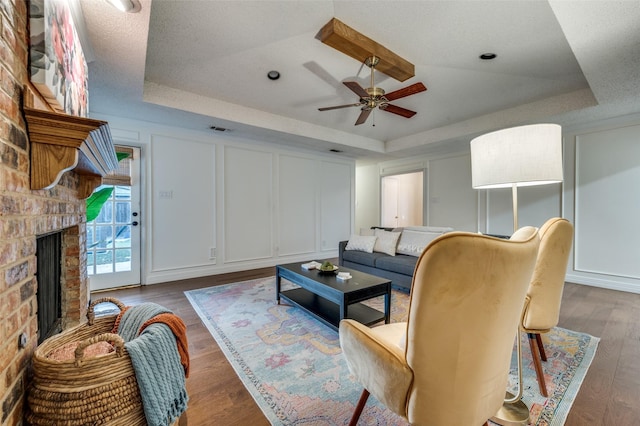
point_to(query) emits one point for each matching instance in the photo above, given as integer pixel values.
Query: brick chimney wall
(25, 214)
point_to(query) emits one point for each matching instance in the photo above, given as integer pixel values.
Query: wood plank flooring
(610, 394)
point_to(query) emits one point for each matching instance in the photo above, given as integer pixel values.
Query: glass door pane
(113, 238)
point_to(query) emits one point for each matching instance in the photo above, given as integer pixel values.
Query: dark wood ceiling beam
(352, 43)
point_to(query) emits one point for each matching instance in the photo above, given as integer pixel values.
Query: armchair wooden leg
(537, 364)
(543, 355)
(361, 402)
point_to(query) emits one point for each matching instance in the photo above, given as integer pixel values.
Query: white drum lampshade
(520, 156)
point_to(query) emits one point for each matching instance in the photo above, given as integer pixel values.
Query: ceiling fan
(373, 96)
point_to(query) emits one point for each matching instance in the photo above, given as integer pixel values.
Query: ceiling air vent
(219, 129)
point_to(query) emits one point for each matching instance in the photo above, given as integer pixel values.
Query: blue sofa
(399, 268)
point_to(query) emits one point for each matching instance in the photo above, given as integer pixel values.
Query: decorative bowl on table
(327, 268)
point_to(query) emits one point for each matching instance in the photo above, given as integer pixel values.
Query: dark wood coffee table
(330, 299)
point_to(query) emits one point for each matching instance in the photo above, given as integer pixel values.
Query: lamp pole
(514, 411)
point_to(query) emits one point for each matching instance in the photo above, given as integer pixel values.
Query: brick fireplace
(26, 214)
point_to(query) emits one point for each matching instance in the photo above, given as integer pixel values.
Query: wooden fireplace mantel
(61, 142)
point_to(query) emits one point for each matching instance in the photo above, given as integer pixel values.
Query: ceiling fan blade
(363, 116)
(356, 88)
(407, 113)
(407, 91)
(338, 107)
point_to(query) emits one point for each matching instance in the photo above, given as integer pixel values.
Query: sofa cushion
(363, 258)
(401, 264)
(361, 243)
(386, 241)
(412, 242)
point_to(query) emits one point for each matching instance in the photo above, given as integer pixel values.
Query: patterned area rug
(293, 366)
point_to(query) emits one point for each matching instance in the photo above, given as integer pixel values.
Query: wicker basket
(85, 391)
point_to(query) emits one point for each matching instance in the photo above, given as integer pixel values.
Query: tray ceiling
(201, 63)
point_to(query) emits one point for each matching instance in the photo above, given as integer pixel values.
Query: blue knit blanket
(156, 362)
(135, 316)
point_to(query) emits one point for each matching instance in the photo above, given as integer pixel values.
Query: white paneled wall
(600, 195)
(335, 202)
(244, 204)
(248, 204)
(213, 204)
(367, 197)
(297, 211)
(182, 199)
(452, 200)
(607, 202)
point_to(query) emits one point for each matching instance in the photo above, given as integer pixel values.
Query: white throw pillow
(361, 243)
(412, 243)
(386, 241)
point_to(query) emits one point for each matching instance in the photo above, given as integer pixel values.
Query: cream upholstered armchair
(542, 304)
(449, 363)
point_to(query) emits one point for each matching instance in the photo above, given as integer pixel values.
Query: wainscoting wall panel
(337, 193)
(183, 191)
(607, 202)
(452, 200)
(248, 204)
(297, 192)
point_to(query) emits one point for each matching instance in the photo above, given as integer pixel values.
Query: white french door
(113, 238)
(402, 200)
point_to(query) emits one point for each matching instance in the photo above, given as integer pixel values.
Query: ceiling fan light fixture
(488, 56)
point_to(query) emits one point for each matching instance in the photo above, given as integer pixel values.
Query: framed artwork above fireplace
(58, 69)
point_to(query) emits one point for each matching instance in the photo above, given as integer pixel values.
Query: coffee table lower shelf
(329, 312)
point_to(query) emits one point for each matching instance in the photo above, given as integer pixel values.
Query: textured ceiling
(197, 63)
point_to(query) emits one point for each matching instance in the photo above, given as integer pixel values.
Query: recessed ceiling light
(488, 56)
(273, 75)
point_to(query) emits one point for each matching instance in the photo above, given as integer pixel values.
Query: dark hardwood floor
(610, 394)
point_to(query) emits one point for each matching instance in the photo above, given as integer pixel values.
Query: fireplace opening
(49, 294)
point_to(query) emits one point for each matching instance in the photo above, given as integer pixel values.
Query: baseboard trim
(603, 283)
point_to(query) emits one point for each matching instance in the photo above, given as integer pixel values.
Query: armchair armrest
(378, 362)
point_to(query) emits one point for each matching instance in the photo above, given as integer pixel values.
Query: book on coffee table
(311, 265)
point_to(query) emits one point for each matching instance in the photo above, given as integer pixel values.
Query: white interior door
(402, 200)
(389, 202)
(113, 238)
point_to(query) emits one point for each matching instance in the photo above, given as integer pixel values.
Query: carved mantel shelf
(61, 142)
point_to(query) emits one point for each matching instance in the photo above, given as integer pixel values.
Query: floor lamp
(519, 156)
